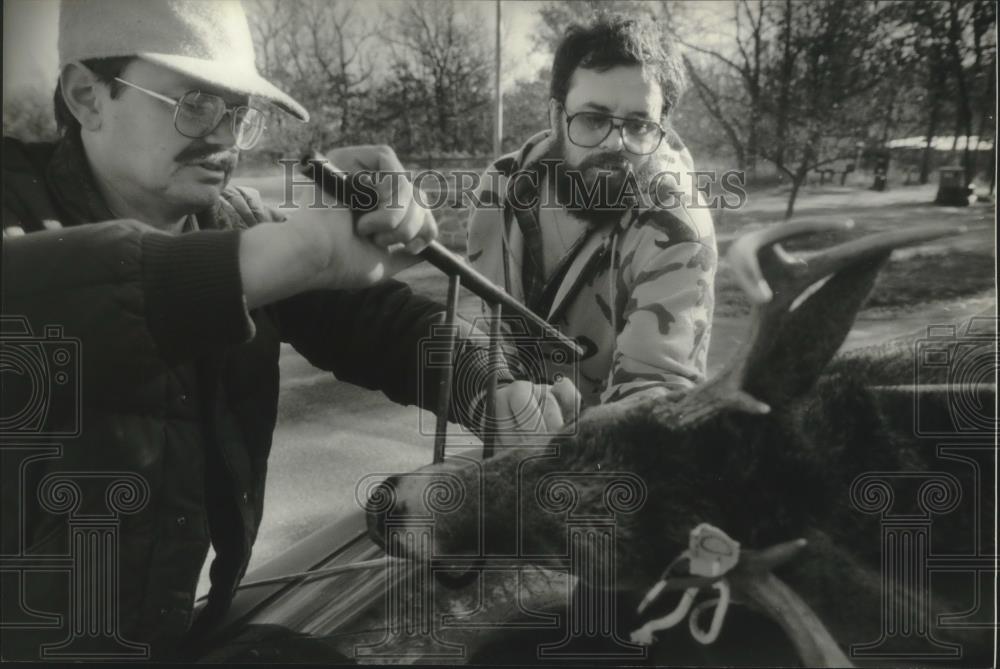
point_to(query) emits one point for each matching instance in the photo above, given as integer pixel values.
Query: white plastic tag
(712, 552)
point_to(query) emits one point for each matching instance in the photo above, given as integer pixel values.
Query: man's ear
(555, 109)
(80, 92)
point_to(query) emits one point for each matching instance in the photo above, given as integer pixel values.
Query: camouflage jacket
(637, 296)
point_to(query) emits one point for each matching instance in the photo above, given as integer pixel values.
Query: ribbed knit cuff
(194, 293)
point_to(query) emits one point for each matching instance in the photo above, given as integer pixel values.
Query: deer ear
(789, 356)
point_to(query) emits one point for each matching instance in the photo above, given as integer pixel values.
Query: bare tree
(970, 22)
(442, 67)
(792, 83)
(953, 46)
(833, 58)
(729, 84)
(318, 51)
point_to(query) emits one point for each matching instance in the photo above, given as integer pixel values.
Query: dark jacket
(166, 384)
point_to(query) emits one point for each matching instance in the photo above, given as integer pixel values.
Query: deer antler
(753, 583)
(776, 283)
(813, 642)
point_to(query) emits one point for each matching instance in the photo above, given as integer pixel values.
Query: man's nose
(614, 140)
(222, 135)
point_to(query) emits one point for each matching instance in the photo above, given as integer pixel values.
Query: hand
(399, 218)
(322, 248)
(335, 256)
(383, 242)
(527, 412)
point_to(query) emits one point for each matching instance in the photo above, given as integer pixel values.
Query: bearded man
(586, 224)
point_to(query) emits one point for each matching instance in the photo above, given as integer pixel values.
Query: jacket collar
(72, 182)
(70, 179)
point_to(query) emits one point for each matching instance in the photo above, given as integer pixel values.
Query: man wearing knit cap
(156, 296)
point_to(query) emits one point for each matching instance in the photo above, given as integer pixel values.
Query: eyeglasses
(589, 129)
(198, 114)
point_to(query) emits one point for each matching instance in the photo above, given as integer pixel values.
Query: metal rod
(498, 94)
(490, 424)
(450, 263)
(444, 385)
(437, 255)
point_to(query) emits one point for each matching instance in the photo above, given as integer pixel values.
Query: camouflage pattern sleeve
(665, 316)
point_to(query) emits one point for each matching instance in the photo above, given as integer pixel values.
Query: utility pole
(498, 97)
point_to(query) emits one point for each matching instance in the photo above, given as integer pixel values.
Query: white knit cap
(207, 40)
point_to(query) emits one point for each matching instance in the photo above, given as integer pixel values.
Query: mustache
(197, 153)
(610, 160)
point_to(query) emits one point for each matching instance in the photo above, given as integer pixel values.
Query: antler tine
(753, 583)
(772, 557)
(744, 255)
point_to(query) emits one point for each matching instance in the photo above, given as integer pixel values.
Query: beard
(600, 188)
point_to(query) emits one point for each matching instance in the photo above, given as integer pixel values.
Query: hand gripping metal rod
(319, 169)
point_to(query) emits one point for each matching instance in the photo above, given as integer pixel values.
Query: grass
(902, 284)
(932, 277)
(951, 268)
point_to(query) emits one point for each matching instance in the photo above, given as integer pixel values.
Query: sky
(29, 44)
(30, 29)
